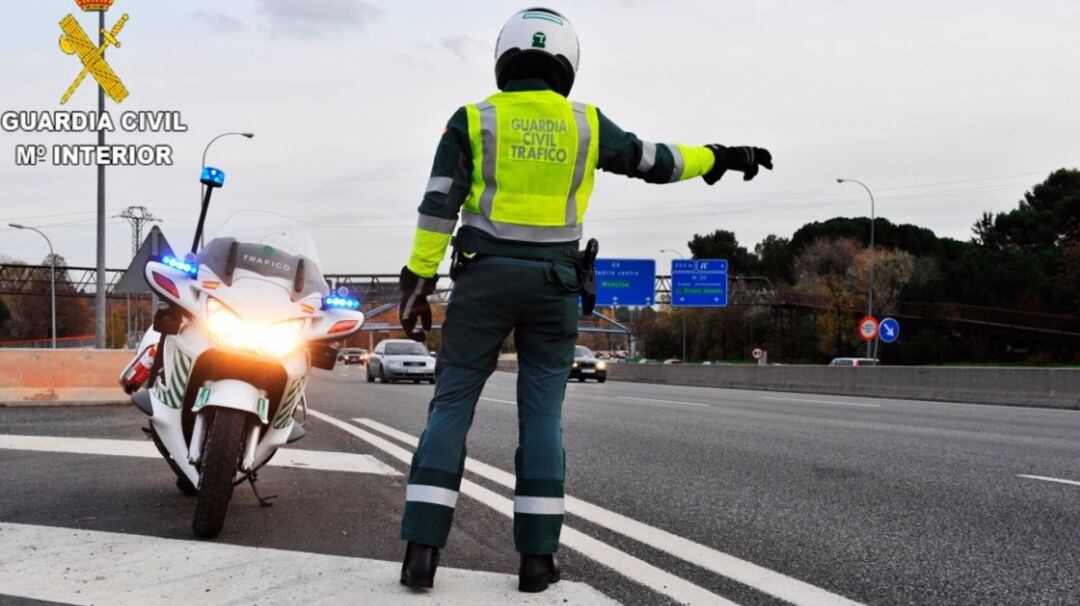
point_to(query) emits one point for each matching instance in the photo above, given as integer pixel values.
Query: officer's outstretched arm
(624, 153)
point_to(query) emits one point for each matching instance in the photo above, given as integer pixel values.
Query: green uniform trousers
(492, 297)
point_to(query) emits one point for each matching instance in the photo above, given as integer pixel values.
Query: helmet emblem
(539, 40)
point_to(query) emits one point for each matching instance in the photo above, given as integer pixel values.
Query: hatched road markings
(321, 460)
(642, 572)
(94, 567)
(749, 574)
(499, 401)
(1048, 479)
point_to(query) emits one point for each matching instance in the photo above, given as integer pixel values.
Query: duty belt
(468, 246)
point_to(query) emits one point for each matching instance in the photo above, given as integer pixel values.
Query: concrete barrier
(1044, 387)
(41, 377)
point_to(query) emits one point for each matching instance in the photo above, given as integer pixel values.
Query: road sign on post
(868, 328)
(889, 330)
(625, 282)
(699, 282)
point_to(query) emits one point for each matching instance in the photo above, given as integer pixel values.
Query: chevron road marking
(749, 574)
(78, 566)
(321, 460)
(633, 568)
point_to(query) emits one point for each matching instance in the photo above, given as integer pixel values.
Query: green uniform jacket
(620, 152)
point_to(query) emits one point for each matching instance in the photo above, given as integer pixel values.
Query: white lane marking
(665, 401)
(1047, 479)
(320, 460)
(79, 566)
(747, 573)
(863, 405)
(633, 568)
(499, 401)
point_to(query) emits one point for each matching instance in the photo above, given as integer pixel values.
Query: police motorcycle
(244, 320)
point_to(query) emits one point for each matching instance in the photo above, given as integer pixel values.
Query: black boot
(537, 572)
(418, 570)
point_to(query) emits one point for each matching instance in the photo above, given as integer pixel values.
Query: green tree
(1045, 217)
(775, 258)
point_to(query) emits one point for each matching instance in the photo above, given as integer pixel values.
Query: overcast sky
(946, 109)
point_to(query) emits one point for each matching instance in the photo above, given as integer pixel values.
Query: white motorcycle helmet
(538, 42)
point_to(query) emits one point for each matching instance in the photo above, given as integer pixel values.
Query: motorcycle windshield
(267, 244)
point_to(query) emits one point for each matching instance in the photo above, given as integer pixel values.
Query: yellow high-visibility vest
(534, 157)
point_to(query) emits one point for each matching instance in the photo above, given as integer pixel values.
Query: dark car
(586, 366)
(400, 359)
(352, 355)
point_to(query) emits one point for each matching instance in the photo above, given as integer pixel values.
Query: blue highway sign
(625, 282)
(889, 330)
(699, 282)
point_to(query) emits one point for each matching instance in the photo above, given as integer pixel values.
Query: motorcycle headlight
(228, 329)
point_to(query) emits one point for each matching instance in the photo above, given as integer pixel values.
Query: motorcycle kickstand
(262, 502)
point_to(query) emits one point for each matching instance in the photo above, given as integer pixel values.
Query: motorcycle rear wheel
(220, 460)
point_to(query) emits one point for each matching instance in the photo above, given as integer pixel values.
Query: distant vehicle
(855, 362)
(586, 366)
(400, 359)
(672, 361)
(352, 355)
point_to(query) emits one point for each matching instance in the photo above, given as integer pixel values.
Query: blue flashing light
(184, 266)
(212, 177)
(340, 303)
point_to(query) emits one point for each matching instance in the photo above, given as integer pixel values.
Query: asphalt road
(679, 491)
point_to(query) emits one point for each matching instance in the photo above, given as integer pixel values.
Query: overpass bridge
(378, 291)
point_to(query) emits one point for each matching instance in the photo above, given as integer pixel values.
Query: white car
(854, 362)
(400, 360)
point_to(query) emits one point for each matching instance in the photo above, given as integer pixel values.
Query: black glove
(743, 159)
(414, 304)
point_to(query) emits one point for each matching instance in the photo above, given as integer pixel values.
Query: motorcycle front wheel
(220, 460)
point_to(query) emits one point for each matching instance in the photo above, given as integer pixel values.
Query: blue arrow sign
(699, 282)
(625, 282)
(889, 330)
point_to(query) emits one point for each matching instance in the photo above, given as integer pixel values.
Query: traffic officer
(517, 169)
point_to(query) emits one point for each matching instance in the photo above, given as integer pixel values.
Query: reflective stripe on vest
(534, 157)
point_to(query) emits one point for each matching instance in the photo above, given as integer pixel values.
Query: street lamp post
(683, 313)
(870, 284)
(202, 188)
(52, 276)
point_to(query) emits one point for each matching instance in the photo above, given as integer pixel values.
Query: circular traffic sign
(757, 353)
(889, 330)
(868, 328)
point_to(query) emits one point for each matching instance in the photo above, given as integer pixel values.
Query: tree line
(1010, 293)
